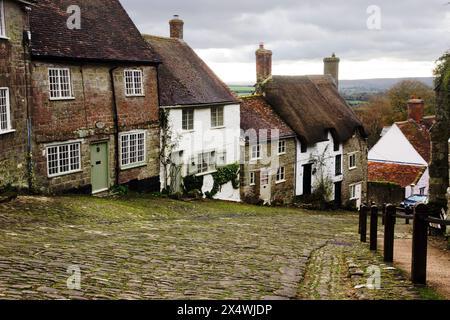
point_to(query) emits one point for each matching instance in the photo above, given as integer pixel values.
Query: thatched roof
(312, 106)
(184, 78)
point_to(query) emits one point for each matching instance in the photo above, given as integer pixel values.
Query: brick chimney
(416, 109)
(331, 67)
(263, 64)
(176, 27)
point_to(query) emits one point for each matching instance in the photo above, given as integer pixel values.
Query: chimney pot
(331, 67)
(176, 27)
(263, 64)
(416, 109)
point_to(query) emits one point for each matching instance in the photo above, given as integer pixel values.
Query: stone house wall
(359, 175)
(13, 67)
(280, 192)
(89, 117)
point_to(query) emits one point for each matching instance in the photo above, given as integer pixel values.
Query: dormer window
(134, 85)
(2, 21)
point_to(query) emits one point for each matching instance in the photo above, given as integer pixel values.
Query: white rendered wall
(204, 139)
(325, 148)
(394, 147)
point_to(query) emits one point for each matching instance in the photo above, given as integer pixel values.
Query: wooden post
(389, 231)
(384, 213)
(408, 211)
(419, 245)
(363, 223)
(373, 228)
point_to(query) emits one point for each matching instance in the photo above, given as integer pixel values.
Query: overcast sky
(412, 34)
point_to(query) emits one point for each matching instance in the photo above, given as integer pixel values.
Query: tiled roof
(312, 106)
(257, 114)
(107, 33)
(400, 174)
(419, 135)
(184, 77)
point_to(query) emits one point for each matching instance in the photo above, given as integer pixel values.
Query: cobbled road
(146, 247)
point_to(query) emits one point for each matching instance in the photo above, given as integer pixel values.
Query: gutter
(116, 125)
(201, 105)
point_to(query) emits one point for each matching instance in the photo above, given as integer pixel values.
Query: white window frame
(59, 90)
(8, 128)
(70, 158)
(252, 178)
(2, 21)
(353, 192)
(187, 112)
(134, 164)
(350, 156)
(255, 152)
(281, 175)
(281, 147)
(216, 114)
(131, 88)
(265, 177)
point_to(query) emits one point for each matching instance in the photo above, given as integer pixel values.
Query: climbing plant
(169, 142)
(222, 176)
(192, 183)
(442, 80)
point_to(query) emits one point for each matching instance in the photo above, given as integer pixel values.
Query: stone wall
(89, 116)
(13, 66)
(381, 193)
(280, 192)
(358, 175)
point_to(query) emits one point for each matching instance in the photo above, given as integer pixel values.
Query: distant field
(242, 90)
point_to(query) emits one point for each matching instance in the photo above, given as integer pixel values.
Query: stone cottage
(92, 99)
(203, 119)
(268, 155)
(14, 102)
(331, 148)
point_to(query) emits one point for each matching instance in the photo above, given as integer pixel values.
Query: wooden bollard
(363, 223)
(373, 228)
(419, 245)
(389, 231)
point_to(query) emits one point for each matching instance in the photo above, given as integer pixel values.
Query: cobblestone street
(145, 247)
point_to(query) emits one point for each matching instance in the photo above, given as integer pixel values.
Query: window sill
(64, 174)
(218, 128)
(5, 38)
(205, 173)
(282, 153)
(133, 166)
(252, 184)
(353, 168)
(7, 131)
(62, 99)
(187, 131)
(281, 181)
(135, 95)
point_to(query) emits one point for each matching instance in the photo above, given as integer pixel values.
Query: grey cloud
(411, 29)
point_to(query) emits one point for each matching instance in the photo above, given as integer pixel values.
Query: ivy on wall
(222, 176)
(442, 81)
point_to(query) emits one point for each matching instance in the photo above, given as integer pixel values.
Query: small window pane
(60, 85)
(133, 148)
(133, 83)
(2, 20)
(63, 159)
(5, 121)
(188, 119)
(217, 117)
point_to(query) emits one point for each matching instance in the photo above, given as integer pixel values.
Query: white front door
(265, 186)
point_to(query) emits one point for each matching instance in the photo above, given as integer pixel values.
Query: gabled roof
(107, 33)
(184, 78)
(418, 135)
(400, 174)
(257, 114)
(312, 106)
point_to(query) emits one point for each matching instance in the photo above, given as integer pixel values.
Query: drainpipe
(116, 126)
(26, 50)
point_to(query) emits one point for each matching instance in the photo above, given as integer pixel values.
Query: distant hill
(379, 84)
(354, 91)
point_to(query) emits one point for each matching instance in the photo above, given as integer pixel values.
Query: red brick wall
(89, 116)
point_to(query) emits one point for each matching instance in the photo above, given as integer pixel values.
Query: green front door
(99, 167)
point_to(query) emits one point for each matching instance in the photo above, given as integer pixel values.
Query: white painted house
(203, 114)
(403, 153)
